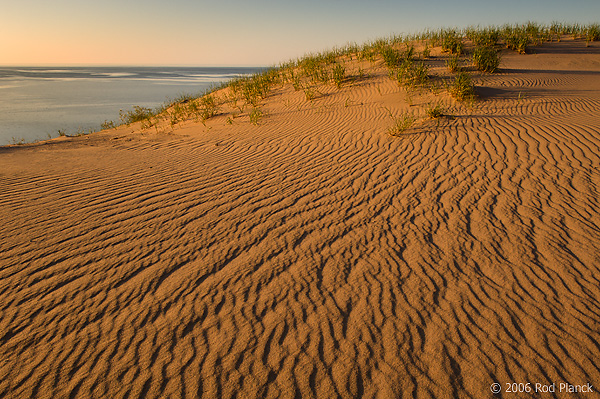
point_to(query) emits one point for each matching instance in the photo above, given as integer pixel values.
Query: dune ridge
(314, 255)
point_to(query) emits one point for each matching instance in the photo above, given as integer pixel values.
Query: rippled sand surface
(313, 255)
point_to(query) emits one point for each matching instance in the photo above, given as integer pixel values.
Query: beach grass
(435, 111)
(486, 59)
(256, 115)
(396, 53)
(453, 63)
(462, 87)
(401, 124)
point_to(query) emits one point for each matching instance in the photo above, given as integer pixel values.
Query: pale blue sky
(235, 32)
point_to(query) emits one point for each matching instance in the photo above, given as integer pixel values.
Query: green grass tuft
(391, 56)
(486, 59)
(401, 124)
(516, 39)
(339, 75)
(593, 33)
(435, 111)
(452, 42)
(453, 63)
(256, 115)
(487, 37)
(138, 114)
(108, 125)
(462, 87)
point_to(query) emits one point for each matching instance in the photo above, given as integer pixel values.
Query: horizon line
(79, 65)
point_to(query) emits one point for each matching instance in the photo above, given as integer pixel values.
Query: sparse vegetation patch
(401, 124)
(435, 111)
(411, 69)
(462, 87)
(486, 59)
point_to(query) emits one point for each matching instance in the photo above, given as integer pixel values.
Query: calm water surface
(35, 103)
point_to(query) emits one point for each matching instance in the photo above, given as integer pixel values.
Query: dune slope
(314, 255)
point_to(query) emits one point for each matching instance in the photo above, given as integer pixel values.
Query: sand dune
(314, 255)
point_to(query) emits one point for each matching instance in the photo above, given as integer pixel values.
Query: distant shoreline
(39, 101)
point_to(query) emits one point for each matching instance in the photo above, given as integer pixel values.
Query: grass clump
(176, 113)
(202, 109)
(255, 89)
(310, 94)
(339, 75)
(391, 56)
(314, 67)
(592, 33)
(487, 37)
(486, 59)
(516, 39)
(411, 74)
(452, 42)
(409, 53)
(255, 115)
(138, 114)
(453, 63)
(209, 107)
(435, 111)
(401, 124)
(462, 87)
(108, 125)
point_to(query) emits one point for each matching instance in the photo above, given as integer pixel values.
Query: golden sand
(314, 255)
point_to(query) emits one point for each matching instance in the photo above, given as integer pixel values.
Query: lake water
(35, 103)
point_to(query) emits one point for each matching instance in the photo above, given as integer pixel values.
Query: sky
(239, 32)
